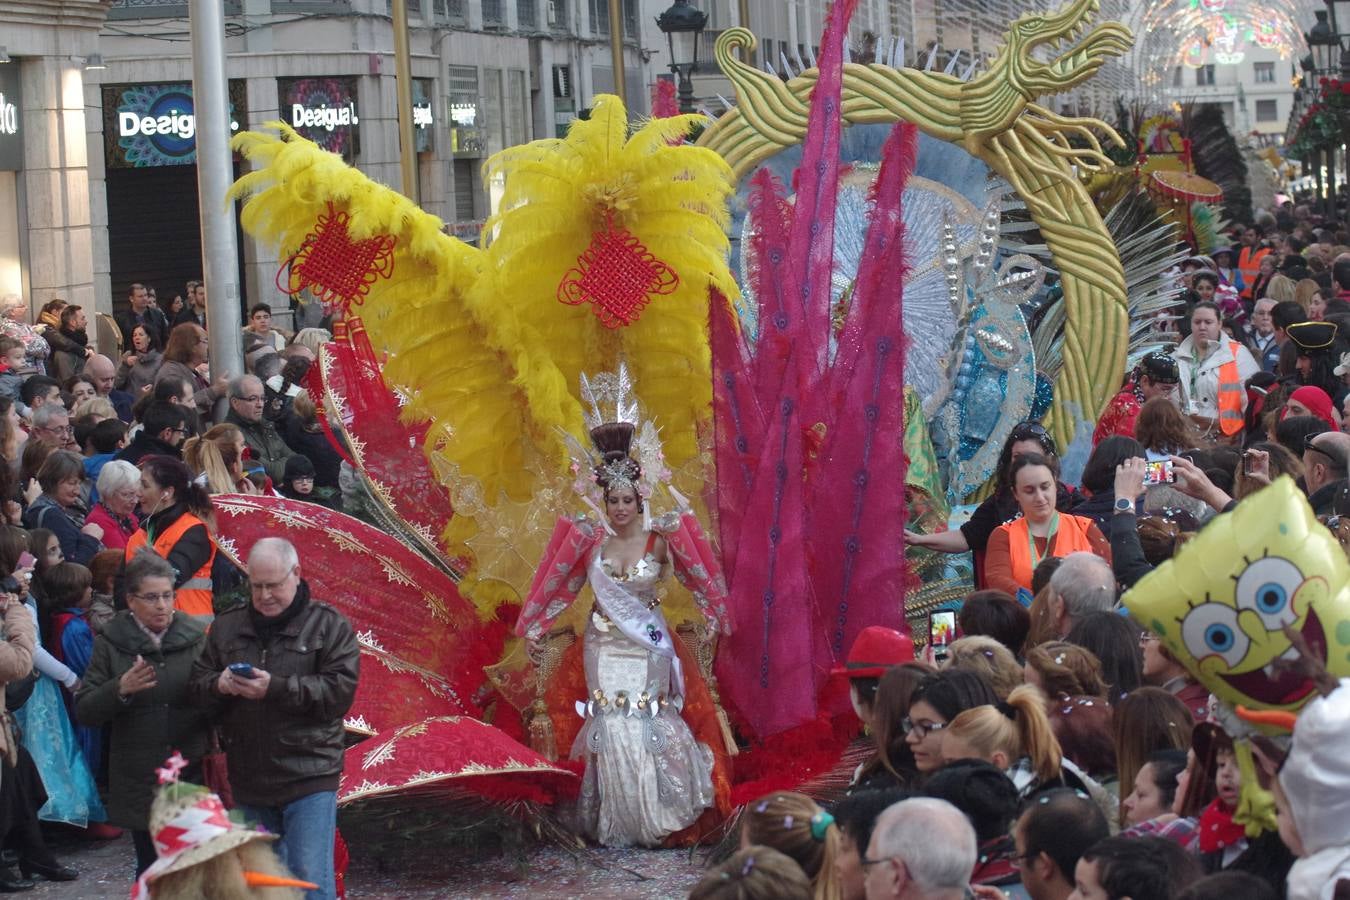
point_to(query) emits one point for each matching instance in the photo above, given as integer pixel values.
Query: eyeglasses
(164, 599)
(1021, 860)
(255, 399)
(865, 862)
(920, 730)
(64, 429)
(266, 587)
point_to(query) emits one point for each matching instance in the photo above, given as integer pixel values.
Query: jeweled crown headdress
(627, 450)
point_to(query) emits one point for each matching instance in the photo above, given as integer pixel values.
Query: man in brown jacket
(278, 675)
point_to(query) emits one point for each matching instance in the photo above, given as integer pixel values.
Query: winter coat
(150, 725)
(68, 353)
(204, 395)
(290, 743)
(77, 546)
(266, 443)
(16, 659)
(134, 379)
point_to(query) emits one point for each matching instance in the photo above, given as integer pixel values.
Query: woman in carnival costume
(646, 776)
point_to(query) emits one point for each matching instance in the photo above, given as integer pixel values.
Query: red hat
(874, 650)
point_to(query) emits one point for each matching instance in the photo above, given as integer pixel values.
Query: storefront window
(466, 127)
(323, 110)
(147, 125)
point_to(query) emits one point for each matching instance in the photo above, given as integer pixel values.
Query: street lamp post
(683, 26)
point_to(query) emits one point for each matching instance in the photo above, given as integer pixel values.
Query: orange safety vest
(195, 596)
(1071, 537)
(1231, 393)
(1249, 264)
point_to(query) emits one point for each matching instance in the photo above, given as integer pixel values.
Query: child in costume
(206, 855)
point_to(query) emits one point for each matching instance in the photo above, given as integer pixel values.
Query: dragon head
(1016, 76)
(1079, 62)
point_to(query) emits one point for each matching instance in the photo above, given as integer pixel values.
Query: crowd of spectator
(128, 634)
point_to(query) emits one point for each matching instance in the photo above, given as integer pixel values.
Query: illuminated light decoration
(1196, 32)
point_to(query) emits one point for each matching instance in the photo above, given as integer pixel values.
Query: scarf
(1217, 828)
(269, 628)
(156, 637)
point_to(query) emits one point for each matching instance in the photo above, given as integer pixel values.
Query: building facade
(47, 226)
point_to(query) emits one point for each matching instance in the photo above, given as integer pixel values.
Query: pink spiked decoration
(810, 467)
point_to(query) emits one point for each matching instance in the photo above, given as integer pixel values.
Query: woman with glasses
(1027, 437)
(59, 508)
(137, 685)
(937, 700)
(176, 509)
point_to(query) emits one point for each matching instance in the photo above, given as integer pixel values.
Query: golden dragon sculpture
(994, 117)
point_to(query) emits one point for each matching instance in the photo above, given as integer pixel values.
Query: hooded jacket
(1316, 779)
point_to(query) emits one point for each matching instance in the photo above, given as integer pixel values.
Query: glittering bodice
(642, 578)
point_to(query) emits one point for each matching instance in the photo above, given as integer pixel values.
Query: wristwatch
(1123, 505)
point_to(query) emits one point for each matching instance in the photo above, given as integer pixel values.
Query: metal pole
(616, 50)
(215, 172)
(744, 10)
(407, 149)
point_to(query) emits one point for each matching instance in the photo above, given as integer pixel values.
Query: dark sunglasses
(1032, 431)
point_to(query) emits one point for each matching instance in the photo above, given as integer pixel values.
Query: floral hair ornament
(820, 825)
(625, 449)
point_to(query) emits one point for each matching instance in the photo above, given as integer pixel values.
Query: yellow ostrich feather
(478, 338)
(673, 198)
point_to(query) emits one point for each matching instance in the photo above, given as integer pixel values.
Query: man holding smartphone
(279, 675)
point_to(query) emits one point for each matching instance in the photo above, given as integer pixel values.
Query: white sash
(645, 627)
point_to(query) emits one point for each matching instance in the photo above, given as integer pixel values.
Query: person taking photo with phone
(278, 675)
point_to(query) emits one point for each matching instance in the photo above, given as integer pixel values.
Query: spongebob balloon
(1221, 604)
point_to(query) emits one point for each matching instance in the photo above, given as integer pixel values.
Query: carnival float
(787, 342)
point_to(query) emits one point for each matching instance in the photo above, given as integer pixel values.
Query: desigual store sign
(156, 124)
(323, 110)
(11, 119)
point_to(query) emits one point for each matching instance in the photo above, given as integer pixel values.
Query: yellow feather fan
(478, 338)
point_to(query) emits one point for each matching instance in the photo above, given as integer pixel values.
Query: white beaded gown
(646, 777)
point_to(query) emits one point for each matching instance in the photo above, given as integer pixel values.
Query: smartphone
(1159, 472)
(27, 560)
(242, 669)
(941, 632)
(1248, 463)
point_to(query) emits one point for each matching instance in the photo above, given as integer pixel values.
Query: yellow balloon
(1220, 605)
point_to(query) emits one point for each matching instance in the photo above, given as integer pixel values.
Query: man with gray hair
(921, 849)
(247, 401)
(51, 423)
(278, 675)
(1083, 583)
